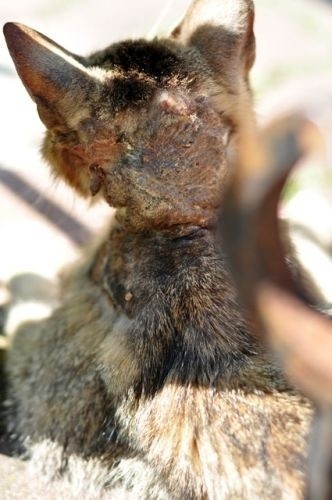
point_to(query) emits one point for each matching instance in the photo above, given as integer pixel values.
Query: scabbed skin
(146, 382)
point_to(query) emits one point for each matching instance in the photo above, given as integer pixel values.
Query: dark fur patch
(167, 334)
(126, 90)
(156, 59)
(143, 67)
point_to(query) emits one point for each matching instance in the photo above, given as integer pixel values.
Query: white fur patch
(99, 74)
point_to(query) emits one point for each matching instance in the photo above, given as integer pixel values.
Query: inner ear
(54, 78)
(222, 30)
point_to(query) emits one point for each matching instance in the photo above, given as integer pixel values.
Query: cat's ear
(222, 30)
(54, 78)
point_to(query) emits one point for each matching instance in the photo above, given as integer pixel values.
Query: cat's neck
(175, 287)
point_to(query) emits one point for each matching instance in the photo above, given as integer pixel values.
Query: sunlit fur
(146, 382)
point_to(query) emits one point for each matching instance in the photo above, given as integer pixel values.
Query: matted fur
(146, 382)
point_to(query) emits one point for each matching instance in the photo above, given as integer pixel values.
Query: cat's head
(146, 124)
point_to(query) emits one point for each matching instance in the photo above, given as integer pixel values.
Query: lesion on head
(146, 124)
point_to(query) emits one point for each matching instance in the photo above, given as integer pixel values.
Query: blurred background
(44, 225)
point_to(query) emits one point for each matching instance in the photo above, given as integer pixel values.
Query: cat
(145, 382)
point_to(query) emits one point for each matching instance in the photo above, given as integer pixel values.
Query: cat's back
(76, 382)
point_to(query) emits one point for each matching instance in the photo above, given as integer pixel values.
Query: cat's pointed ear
(222, 30)
(54, 78)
